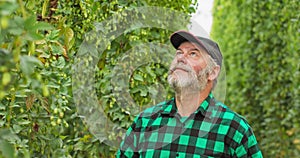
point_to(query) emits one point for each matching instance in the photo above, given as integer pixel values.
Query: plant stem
(22, 9)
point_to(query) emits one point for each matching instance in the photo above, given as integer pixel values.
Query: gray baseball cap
(210, 46)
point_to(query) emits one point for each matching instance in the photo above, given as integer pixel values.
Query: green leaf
(144, 93)
(79, 146)
(69, 35)
(24, 122)
(138, 77)
(152, 90)
(53, 35)
(61, 62)
(1, 121)
(28, 63)
(32, 27)
(150, 71)
(51, 85)
(56, 49)
(6, 149)
(29, 23)
(17, 128)
(7, 8)
(33, 36)
(16, 26)
(42, 26)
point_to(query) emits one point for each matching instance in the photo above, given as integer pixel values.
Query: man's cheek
(197, 68)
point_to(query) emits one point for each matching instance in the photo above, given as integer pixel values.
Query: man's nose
(181, 58)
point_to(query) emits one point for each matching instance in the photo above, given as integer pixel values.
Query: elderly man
(193, 123)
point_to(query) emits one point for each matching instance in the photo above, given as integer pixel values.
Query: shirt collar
(171, 109)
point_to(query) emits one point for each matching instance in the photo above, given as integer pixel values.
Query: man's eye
(179, 52)
(193, 54)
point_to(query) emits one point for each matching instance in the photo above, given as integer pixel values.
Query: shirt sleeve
(248, 146)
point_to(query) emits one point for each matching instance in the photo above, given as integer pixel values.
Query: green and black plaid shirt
(213, 130)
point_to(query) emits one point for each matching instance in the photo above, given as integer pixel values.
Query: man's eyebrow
(189, 49)
(195, 49)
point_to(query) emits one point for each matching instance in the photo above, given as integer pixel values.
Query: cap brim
(178, 37)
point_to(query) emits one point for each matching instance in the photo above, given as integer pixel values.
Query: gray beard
(191, 81)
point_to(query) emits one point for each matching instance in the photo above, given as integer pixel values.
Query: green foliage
(260, 43)
(38, 43)
(7, 149)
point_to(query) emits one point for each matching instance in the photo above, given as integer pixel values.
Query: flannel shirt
(213, 130)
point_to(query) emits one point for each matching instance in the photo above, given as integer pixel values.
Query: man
(193, 124)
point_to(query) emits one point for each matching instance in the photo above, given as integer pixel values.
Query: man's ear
(214, 73)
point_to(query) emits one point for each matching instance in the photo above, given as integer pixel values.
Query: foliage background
(39, 40)
(260, 42)
(38, 43)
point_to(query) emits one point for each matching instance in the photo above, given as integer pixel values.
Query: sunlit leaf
(138, 77)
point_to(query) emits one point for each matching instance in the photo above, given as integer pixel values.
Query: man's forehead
(190, 45)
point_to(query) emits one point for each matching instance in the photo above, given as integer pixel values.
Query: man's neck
(188, 101)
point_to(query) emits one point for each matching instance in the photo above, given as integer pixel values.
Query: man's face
(189, 67)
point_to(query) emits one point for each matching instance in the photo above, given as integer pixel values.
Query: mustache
(180, 66)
